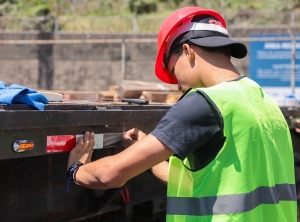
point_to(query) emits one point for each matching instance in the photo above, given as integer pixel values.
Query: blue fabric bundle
(20, 94)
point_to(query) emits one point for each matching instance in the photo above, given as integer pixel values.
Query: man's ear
(189, 52)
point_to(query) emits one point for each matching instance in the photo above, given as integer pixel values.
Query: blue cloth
(20, 94)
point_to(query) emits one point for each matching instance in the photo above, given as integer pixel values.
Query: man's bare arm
(161, 171)
(114, 171)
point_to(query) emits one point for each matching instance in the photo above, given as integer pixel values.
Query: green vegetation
(135, 15)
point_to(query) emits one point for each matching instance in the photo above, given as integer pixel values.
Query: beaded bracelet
(70, 174)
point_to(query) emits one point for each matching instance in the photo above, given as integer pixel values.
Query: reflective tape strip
(230, 204)
(209, 27)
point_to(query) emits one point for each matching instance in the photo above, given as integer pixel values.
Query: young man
(228, 145)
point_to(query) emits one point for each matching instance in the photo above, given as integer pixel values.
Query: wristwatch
(71, 171)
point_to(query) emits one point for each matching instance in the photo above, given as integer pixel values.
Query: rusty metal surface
(79, 115)
(34, 189)
(34, 182)
(20, 122)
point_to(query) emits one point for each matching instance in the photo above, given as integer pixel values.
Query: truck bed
(33, 185)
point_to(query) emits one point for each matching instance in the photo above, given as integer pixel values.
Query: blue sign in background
(271, 62)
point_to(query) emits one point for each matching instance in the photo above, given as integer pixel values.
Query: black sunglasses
(175, 49)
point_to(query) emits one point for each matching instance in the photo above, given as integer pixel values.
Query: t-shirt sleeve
(190, 124)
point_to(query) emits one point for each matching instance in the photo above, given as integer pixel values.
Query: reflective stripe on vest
(229, 204)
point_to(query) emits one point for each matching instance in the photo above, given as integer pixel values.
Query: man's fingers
(126, 137)
(131, 134)
(80, 140)
(83, 150)
(297, 123)
(92, 139)
(135, 133)
(80, 144)
(91, 143)
(87, 151)
(86, 137)
(86, 141)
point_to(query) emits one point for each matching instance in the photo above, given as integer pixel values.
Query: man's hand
(83, 150)
(296, 124)
(132, 136)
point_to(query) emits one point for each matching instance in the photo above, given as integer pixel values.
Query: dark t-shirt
(193, 129)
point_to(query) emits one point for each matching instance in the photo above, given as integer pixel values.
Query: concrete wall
(91, 66)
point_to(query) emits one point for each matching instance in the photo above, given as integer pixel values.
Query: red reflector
(61, 143)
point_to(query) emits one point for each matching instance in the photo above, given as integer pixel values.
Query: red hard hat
(175, 24)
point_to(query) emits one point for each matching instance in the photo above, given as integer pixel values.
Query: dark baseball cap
(207, 31)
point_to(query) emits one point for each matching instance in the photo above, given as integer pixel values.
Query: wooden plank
(134, 89)
(161, 96)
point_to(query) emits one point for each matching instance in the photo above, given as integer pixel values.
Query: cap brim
(238, 50)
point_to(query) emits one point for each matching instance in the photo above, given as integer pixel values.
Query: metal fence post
(123, 59)
(56, 24)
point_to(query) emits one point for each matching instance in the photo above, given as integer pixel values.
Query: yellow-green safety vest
(252, 177)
